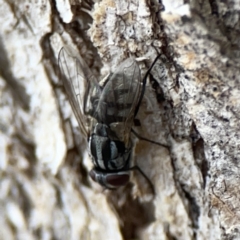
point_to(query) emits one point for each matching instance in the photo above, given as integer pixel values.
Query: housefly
(105, 112)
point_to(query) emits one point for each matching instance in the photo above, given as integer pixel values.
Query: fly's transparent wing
(80, 85)
(120, 96)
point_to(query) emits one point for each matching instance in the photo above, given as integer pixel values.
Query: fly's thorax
(107, 151)
(115, 103)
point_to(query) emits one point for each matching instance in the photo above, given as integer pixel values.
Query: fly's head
(111, 180)
(111, 158)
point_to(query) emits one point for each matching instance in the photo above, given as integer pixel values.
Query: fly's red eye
(117, 180)
(93, 175)
(110, 180)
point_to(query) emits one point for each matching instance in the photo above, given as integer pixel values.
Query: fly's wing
(120, 96)
(80, 85)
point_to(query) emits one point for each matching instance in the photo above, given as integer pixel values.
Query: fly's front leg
(136, 167)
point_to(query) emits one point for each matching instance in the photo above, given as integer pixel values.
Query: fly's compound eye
(110, 180)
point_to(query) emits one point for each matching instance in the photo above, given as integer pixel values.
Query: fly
(105, 113)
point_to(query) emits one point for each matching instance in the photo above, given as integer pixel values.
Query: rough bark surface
(191, 107)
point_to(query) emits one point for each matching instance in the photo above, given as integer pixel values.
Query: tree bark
(190, 109)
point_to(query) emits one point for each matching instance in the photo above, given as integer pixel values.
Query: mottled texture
(190, 108)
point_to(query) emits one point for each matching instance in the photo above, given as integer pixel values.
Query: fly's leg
(136, 122)
(214, 7)
(144, 85)
(148, 140)
(137, 168)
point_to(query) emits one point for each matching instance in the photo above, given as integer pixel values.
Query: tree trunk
(188, 144)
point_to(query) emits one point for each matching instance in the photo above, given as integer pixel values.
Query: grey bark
(191, 105)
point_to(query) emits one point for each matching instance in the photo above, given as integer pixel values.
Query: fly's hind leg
(148, 140)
